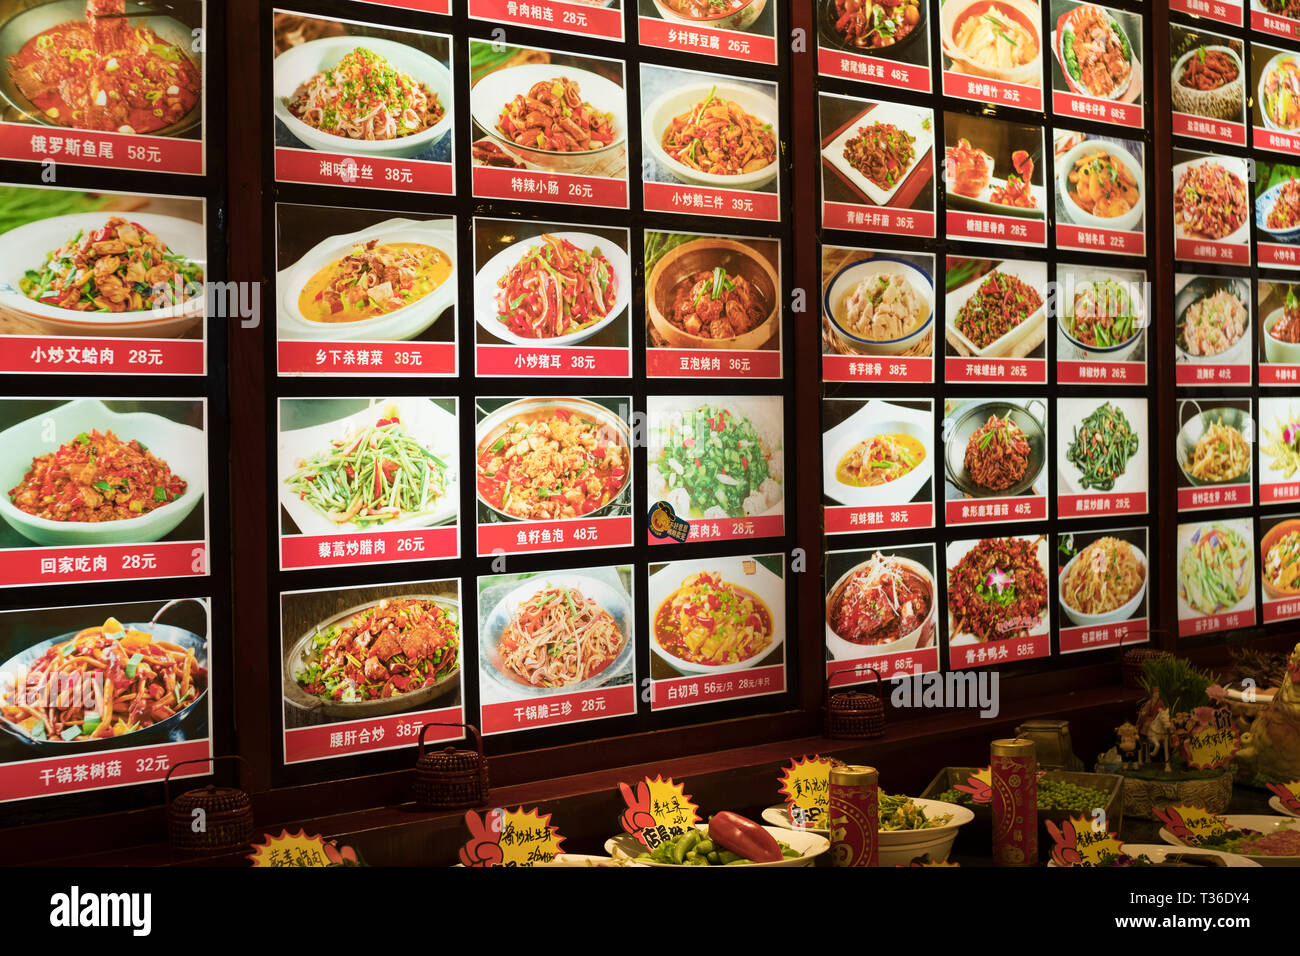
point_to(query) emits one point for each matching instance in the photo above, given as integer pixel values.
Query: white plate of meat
(880, 173)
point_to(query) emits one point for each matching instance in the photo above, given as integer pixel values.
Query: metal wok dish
(299, 655)
(1196, 426)
(496, 424)
(20, 28)
(170, 729)
(966, 425)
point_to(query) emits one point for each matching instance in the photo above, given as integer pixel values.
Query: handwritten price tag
(1215, 744)
(1288, 793)
(516, 837)
(657, 811)
(806, 786)
(1081, 842)
(298, 849)
(1192, 825)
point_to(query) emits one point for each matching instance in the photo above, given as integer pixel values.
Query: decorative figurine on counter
(1129, 748)
(1271, 748)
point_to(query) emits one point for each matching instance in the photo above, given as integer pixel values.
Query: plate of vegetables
(909, 827)
(728, 839)
(1268, 840)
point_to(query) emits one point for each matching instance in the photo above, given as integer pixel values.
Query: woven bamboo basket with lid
(853, 714)
(451, 779)
(208, 818)
(1132, 660)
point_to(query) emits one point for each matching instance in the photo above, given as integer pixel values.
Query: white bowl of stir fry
(585, 140)
(1098, 172)
(1276, 351)
(180, 449)
(555, 633)
(715, 616)
(718, 14)
(561, 288)
(305, 69)
(686, 119)
(387, 319)
(39, 263)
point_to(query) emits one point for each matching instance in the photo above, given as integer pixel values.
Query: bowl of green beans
(694, 848)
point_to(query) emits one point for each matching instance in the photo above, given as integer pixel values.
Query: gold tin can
(1013, 765)
(853, 816)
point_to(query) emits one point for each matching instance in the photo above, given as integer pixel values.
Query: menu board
(365, 668)
(1212, 330)
(1211, 208)
(994, 173)
(737, 176)
(1096, 63)
(138, 317)
(63, 104)
(743, 655)
(1213, 451)
(1101, 334)
(1039, 419)
(69, 688)
(877, 465)
(343, 139)
(364, 292)
(1279, 332)
(595, 680)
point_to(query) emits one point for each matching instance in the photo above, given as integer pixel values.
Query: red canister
(1014, 766)
(853, 816)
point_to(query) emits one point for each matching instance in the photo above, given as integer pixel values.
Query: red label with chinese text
(707, 688)
(559, 709)
(365, 358)
(364, 172)
(67, 356)
(368, 547)
(533, 536)
(367, 736)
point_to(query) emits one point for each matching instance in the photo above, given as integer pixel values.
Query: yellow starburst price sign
(1215, 744)
(806, 786)
(299, 849)
(1080, 842)
(1192, 825)
(516, 837)
(657, 810)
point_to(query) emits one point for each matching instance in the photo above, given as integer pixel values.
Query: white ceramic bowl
(433, 427)
(901, 490)
(808, 845)
(847, 279)
(613, 599)
(1264, 823)
(27, 246)
(1113, 353)
(299, 64)
(396, 326)
(485, 288)
(741, 19)
(842, 650)
(1125, 223)
(952, 12)
(1121, 613)
(182, 447)
(768, 586)
(901, 847)
(1278, 353)
(682, 99)
(1269, 67)
(491, 94)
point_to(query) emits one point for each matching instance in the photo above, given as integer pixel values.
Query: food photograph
(355, 657)
(1208, 82)
(878, 305)
(716, 616)
(876, 154)
(363, 93)
(995, 449)
(710, 293)
(607, 434)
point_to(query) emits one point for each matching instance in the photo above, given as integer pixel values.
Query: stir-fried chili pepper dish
(96, 477)
(556, 289)
(397, 646)
(718, 137)
(999, 305)
(1209, 201)
(553, 116)
(998, 590)
(882, 152)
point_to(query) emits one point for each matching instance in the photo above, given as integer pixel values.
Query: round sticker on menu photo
(664, 523)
